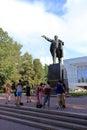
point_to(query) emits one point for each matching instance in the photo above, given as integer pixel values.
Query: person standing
(47, 92)
(28, 92)
(59, 92)
(64, 96)
(37, 94)
(18, 94)
(8, 93)
(40, 92)
(15, 94)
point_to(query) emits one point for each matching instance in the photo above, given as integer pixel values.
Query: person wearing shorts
(59, 92)
(18, 94)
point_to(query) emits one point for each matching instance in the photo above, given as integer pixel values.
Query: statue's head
(55, 37)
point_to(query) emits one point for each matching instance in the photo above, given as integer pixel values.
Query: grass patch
(78, 93)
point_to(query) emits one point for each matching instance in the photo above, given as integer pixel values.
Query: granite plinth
(57, 72)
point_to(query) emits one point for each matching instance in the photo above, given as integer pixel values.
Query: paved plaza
(73, 104)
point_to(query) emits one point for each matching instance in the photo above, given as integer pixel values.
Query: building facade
(76, 72)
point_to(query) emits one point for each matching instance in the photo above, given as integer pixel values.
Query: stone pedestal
(57, 72)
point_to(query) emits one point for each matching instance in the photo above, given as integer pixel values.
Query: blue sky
(27, 20)
(51, 6)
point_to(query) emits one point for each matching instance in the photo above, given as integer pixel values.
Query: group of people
(18, 93)
(43, 93)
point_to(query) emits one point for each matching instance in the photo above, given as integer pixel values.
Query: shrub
(78, 93)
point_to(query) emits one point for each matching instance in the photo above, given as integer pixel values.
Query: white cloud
(76, 20)
(26, 23)
(46, 60)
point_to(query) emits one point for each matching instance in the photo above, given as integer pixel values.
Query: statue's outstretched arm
(48, 39)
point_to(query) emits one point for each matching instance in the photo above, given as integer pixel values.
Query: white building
(76, 72)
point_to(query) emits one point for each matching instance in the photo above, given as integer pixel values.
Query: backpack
(38, 105)
(21, 103)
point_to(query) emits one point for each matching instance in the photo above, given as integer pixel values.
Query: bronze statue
(56, 48)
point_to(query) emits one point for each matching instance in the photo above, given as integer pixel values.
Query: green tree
(14, 66)
(39, 72)
(45, 72)
(26, 69)
(9, 58)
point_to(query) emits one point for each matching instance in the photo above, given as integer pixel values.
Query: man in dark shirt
(28, 93)
(59, 92)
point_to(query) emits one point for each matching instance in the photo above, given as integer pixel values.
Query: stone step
(47, 116)
(32, 123)
(45, 121)
(52, 112)
(24, 113)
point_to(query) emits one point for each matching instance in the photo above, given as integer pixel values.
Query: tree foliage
(39, 71)
(15, 66)
(26, 69)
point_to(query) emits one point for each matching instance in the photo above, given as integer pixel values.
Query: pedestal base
(57, 72)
